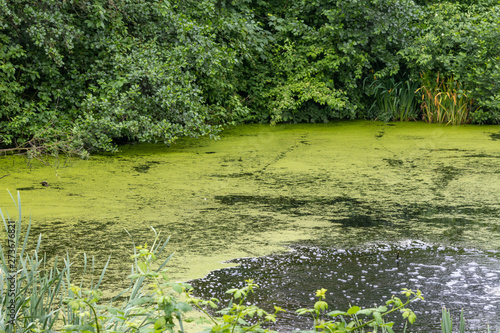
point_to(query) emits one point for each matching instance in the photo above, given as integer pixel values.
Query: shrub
(103, 71)
(321, 52)
(461, 42)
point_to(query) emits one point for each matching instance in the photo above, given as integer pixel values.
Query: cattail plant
(444, 101)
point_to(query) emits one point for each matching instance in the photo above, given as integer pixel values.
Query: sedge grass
(395, 99)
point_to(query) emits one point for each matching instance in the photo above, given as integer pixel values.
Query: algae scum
(349, 193)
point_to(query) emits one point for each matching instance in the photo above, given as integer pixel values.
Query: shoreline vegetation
(78, 78)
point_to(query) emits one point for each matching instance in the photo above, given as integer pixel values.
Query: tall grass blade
(444, 101)
(462, 322)
(102, 273)
(446, 323)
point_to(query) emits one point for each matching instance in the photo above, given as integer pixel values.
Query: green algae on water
(261, 187)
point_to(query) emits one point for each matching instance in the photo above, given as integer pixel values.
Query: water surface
(330, 186)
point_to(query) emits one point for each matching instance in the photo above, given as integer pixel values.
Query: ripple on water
(453, 277)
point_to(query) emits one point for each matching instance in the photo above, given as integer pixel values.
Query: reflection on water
(453, 277)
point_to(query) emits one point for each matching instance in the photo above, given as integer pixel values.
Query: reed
(40, 285)
(37, 287)
(447, 323)
(444, 101)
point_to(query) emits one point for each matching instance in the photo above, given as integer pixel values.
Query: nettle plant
(236, 317)
(350, 320)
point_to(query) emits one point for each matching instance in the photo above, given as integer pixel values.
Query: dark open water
(448, 276)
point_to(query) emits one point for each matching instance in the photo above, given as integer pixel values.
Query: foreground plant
(350, 321)
(236, 317)
(447, 323)
(30, 290)
(153, 307)
(46, 298)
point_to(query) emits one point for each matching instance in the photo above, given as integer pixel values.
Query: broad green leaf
(184, 307)
(353, 310)
(378, 318)
(142, 266)
(177, 288)
(320, 306)
(412, 318)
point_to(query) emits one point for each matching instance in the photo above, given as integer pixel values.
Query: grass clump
(395, 99)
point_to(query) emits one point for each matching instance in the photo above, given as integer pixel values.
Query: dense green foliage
(322, 52)
(83, 75)
(462, 42)
(99, 71)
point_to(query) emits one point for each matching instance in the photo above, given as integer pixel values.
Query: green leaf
(160, 323)
(337, 313)
(365, 312)
(141, 301)
(75, 304)
(353, 310)
(320, 306)
(381, 309)
(177, 288)
(184, 307)
(412, 318)
(378, 318)
(142, 267)
(114, 311)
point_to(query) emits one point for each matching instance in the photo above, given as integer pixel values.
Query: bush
(106, 71)
(321, 53)
(461, 41)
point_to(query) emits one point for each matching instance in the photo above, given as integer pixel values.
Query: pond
(345, 186)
